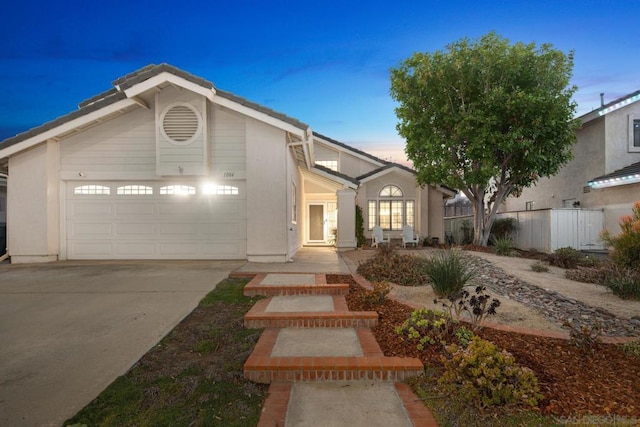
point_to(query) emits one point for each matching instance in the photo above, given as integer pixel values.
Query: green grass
(192, 377)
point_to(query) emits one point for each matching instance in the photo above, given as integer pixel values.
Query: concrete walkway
(306, 260)
(322, 360)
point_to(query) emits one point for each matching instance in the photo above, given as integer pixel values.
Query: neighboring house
(604, 173)
(166, 166)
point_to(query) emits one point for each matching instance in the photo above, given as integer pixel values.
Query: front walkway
(306, 260)
(322, 361)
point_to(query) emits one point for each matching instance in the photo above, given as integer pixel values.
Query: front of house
(166, 166)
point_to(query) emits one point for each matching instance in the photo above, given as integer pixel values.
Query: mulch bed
(605, 382)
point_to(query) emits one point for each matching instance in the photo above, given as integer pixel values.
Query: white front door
(317, 223)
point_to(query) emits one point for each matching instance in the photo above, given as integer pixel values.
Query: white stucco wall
(267, 213)
(33, 205)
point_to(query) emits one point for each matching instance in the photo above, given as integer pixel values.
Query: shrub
(427, 327)
(626, 245)
(466, 233)
(486, 376)
(430, 327)
(504, 228)
(585, 337)
(360, 237)
(448, 272)
(587, 275)
(539, 267)
(503, 246)
(623, 282)
(565, 257)
(378, 294)
(590, 262)
(632, 348)
(389, 266)
(476, 307)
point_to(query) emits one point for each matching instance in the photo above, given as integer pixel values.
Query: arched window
(390, 191)
(391, 211)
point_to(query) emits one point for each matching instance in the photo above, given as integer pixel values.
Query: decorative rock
(554, 306)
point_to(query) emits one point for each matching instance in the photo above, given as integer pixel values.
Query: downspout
(6, 254)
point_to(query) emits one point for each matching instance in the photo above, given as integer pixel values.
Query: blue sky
(325, 63)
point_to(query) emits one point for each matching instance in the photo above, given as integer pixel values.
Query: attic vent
(180, 124)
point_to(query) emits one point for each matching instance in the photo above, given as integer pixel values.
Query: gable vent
(181, 124)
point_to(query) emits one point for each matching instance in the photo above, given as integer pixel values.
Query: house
(604, 174)
(164, 165)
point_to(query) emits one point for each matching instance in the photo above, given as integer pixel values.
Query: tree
(487, 118)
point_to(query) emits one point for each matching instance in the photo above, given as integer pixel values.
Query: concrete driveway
(68, 329)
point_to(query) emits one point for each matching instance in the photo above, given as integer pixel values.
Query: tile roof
(121, 84)
(631, 170)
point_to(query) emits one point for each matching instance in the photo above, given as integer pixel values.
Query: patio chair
(408, 237)
(377, 237)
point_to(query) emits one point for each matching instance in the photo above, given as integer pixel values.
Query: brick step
(275, 284)
(266, 370)
(261, 367)
(277, 290)
(340, 317)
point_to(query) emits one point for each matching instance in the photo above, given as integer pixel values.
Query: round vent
(180, 124)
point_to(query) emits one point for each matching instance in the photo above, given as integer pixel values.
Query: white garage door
(155, 220)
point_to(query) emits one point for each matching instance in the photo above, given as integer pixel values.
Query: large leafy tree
(486, 117)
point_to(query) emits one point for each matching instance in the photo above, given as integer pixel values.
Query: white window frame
(294, 203)
(329, 164)
(392, 197)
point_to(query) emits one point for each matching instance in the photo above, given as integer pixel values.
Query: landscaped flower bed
(573, 382)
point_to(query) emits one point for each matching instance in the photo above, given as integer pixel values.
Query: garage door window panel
(134, 190)
(92, 190)
(180, 190)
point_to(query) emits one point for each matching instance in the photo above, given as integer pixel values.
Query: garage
(154, 220)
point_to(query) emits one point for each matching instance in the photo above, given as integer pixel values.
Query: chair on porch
(408, 237)
(377, 237)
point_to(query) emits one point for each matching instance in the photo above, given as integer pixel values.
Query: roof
(117, 93)
(352, 149)
(627, 175)
(611, 106)
(336, 174)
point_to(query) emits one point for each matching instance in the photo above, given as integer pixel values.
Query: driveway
(68, 329)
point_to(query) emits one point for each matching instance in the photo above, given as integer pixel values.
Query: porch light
(620, 104)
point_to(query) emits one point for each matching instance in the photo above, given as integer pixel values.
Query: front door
(317, 224)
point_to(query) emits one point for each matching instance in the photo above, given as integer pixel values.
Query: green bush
(448, 272)
(504, 228)
(429, 327)
(565, 257)
(389, 266)
(485, 376)
(503, 246)
(626, 245)
(378, 294)
(539, 267)
(360, 237)
(632, 348)
(623, 282)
